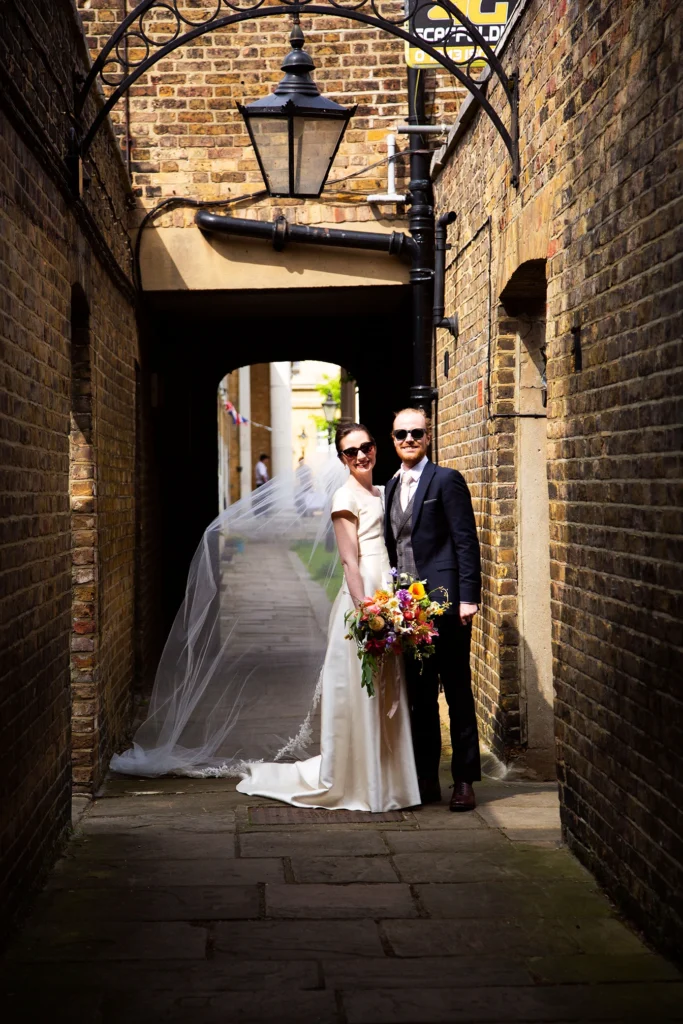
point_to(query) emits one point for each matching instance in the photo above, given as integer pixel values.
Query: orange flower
(381, 596)
(376, 623)
(417, 590)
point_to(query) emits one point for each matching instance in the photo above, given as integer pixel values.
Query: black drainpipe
(279, 232)
(421, 226)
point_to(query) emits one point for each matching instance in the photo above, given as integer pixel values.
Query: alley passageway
(182, 901)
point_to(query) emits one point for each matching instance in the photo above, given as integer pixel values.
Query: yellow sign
(437, 26)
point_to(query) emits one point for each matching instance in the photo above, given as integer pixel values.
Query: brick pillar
(85, 582)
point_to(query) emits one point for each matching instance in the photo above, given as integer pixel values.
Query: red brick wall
(599, 199)
(48, 244)
(188, 139)
(260, 413)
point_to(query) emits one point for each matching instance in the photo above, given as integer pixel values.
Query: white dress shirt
(410, 477)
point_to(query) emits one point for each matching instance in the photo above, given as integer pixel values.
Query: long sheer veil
(237, 680)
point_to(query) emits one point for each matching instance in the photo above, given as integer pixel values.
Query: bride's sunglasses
(365, 448)
(416, 434)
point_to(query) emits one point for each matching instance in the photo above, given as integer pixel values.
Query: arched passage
(524, 305)
(193, 339)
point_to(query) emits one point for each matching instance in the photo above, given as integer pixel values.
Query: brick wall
(188, 139)
(66, 446)
(599, 203)
(260, 413)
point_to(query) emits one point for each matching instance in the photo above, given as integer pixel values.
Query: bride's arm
(346, 532)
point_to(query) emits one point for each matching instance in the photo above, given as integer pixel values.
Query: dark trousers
(450, 664)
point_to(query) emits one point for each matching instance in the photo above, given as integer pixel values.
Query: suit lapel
(388, 498)
(426, 476)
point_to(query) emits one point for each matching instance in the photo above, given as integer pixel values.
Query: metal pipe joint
(441, 247)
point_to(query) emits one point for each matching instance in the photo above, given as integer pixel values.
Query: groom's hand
(467, 612)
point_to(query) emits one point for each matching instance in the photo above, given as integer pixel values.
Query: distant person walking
(261, 475)
(261, 470)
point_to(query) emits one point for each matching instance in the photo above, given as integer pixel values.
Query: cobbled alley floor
(183, 901)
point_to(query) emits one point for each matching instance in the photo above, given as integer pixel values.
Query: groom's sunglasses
(365, 448)
(416, 434)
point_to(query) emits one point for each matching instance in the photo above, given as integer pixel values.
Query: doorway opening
(193, 340)
(273, 419)
(524, 300)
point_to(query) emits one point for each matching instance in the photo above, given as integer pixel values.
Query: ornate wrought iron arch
(115, 68)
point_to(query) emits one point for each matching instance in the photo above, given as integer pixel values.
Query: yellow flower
(417, 590)
(376, 623)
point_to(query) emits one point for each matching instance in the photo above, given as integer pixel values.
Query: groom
(430, 533)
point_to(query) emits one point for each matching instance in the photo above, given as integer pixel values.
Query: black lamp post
(330, 410)
(296, 132)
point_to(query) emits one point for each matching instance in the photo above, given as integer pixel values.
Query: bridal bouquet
(392, 621)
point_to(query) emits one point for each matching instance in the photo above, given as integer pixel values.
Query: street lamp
(296, 132)
(330, 410)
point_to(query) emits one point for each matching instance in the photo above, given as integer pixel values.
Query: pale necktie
(407, 481)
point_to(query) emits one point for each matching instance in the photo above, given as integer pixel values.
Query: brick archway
(190, 345)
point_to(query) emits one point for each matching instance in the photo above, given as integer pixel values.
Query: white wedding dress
(366, 761)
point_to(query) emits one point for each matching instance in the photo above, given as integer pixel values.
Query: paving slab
(444, 841)
(111, 940)
(438, 816)
(131, 785)
(499, 815)
(521, 796)
(340, 901)
(427, 972)
(601, 935)
(343, 869)
(535, 864)
(548, 837)
(225, 1008)
(104, 874)
(36, 1005)
(528, 937)
(506, 899)
(460, 866)
(191, 977)
(623, 1003)
(323, 842)
(601, 967)
(167, 903)
(223, 821)
(194, 804)
(294, 940)
(146, 844)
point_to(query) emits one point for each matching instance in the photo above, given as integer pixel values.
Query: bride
(366, 761)
(237, 687)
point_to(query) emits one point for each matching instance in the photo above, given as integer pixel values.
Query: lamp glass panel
(315, 142)
(271, 139)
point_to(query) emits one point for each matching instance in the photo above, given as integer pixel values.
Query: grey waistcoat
(401, 526)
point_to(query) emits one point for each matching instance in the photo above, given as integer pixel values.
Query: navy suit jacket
(444, 534)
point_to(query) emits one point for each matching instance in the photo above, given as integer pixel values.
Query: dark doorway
(195, 338)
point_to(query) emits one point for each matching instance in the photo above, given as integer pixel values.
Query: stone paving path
(171, 905)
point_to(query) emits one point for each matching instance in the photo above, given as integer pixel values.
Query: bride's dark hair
(349, 428)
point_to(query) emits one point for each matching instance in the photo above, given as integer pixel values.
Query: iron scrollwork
(157, 27)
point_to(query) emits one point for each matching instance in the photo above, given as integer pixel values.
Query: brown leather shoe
(430, 791)
(463, 797)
